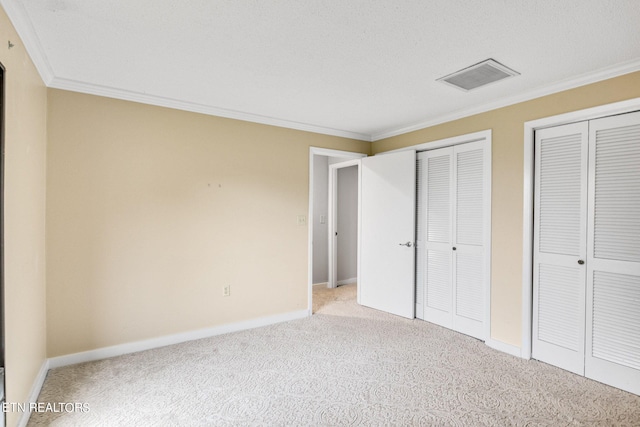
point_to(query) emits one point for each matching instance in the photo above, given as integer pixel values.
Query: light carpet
(346, 365)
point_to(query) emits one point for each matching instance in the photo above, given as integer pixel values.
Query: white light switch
(302, 220)
(323, 219)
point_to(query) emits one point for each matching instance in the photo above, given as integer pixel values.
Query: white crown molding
(21, 22)
(109, 92)
(584, 79)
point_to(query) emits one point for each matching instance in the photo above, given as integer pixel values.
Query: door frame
(3, 396)
(483, 135)
(528, 198)
(333, 218)
(316, 151)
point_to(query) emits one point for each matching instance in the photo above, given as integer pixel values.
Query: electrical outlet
(302, 220)
(226, 291)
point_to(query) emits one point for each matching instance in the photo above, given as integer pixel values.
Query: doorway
(343, 223)
(320, 160)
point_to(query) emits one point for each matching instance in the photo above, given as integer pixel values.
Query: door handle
(408, 244)
(580, 262)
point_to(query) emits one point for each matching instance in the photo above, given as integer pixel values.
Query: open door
(387, 242)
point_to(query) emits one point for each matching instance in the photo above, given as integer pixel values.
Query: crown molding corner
(20, 19)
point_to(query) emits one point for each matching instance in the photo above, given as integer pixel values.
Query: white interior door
(613, 262)
(560, 224)
(387, 257)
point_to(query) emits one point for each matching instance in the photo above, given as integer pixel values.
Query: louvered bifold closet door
(438, 195)
(560, 246)
(468, 239)
(613, 264)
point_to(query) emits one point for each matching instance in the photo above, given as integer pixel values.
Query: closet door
(560, 246)
(468, 239)
(453, 195)
(613, 263)
(437, 168)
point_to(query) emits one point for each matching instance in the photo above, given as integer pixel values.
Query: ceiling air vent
(480, 74)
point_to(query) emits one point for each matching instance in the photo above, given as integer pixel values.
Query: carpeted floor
(346, 365)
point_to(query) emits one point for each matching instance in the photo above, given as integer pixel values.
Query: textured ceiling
(365, 69)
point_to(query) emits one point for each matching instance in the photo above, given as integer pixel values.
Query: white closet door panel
(617, 191)
(561, 202)
(559, 244)
(616, 304)
(613, 264)
(469, 274)
(439, 195)
(469, 292)
(468, 239)
(558, 285)
(438, 175)
(469, 196)
(613, 329)
(438, 293)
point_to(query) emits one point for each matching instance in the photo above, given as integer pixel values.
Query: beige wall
(151, 211)
(24, 222)
(507, 125)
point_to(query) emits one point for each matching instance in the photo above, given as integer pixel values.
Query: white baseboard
(504, 347)
(347, 281)
(35, 392)
(325, 284)
(133, 347)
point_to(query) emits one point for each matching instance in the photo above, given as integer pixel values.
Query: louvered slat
(469, 197)
(616, 318)
(560, 202)
(438, 204)
(617, 194)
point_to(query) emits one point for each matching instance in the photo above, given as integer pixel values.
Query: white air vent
(480, 74)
